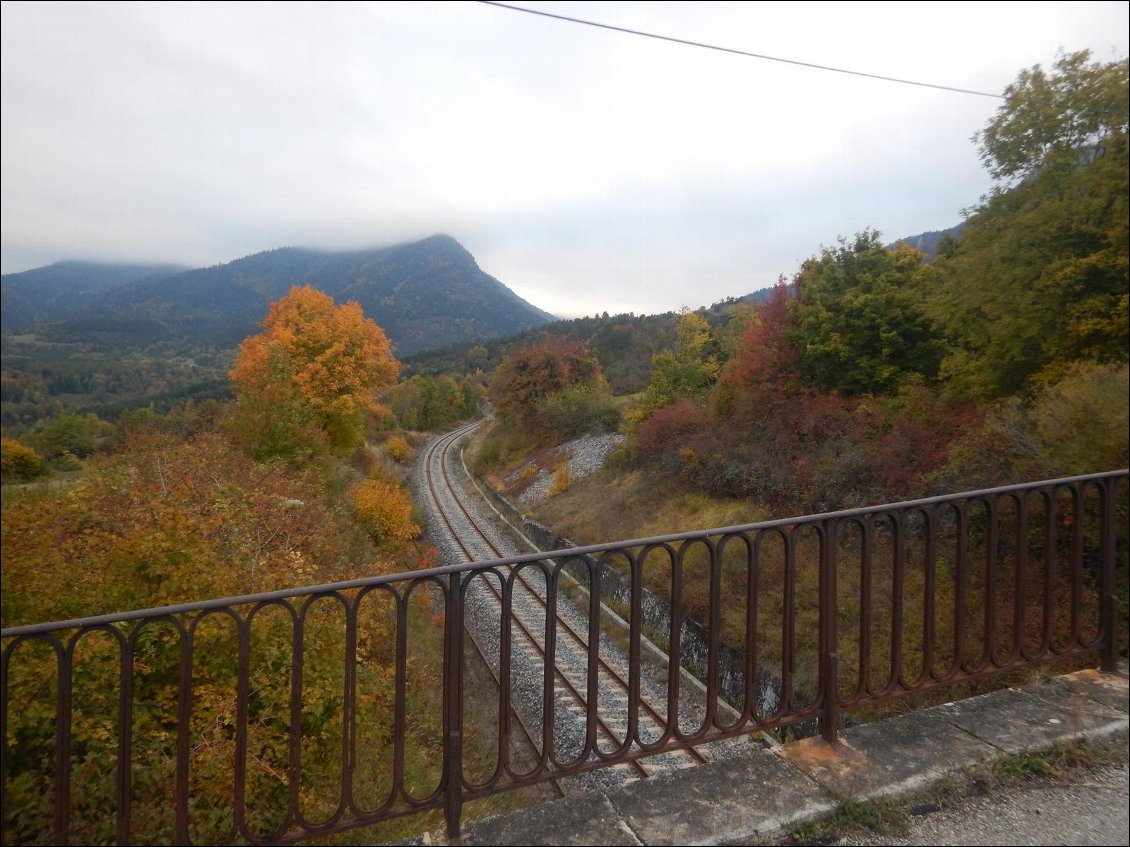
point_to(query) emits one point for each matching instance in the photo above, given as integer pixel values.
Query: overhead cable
(688, 43)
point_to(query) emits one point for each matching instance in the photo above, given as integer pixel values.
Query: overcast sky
(588, 170)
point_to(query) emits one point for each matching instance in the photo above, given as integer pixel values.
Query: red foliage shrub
(671, 427)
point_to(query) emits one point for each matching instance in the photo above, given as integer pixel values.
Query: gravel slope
(586, 455)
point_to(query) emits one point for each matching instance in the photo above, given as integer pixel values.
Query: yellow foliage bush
(397, 449)
(385, 511)
(19, 462)
(562, 478)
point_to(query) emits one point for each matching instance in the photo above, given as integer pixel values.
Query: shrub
(671, 427)
(1076, 425)
(1082, 420)
(385, 511)
(582, 408)
(562, 477)
(18, 462)
(397, 449)
(67, 434)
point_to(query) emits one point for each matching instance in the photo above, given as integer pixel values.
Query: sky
(586, 169)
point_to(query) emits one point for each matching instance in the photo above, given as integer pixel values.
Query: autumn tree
(1039, 278)
(858, 322)
(309, 377)
(762, 371)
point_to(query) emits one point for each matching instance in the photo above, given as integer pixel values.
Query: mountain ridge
(63, 290)
(928, 242)
(425, 293)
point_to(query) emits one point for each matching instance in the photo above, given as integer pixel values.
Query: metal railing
(282, 716)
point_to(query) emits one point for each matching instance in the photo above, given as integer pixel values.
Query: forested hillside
(874, 375)
(625, 344)
(66, 290)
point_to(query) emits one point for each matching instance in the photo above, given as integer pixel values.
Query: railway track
(550, 698)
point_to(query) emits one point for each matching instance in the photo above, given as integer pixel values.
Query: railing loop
(453, 708)
(1109, 604)
(829, 610)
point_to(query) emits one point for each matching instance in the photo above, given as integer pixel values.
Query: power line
(735, 51)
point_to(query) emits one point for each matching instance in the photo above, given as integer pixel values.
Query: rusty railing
(283, 716)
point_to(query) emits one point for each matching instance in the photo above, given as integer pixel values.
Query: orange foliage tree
(308, 379)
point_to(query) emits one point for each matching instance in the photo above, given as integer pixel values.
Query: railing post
(829, 671)
(453, 709)
(1108, 606)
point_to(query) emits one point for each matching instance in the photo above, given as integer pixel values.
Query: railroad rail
(565, 664)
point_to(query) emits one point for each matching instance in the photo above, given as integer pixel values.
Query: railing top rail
(433, 573)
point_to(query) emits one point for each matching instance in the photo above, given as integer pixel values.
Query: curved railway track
(550, 704)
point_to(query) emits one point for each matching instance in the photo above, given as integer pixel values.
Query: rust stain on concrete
(820, 759)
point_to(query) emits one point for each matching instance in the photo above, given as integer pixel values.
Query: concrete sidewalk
(764, 793)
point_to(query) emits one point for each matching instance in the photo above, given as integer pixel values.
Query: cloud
(588, 170)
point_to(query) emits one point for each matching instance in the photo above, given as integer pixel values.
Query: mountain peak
(424, 294)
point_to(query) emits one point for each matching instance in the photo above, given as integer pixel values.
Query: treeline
(623, 344)
(424, 403)
(40, 379)
(872, 375)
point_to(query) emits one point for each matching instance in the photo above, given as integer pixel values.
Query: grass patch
(1063, 760)
(879, 817)
(496, 450)
(613, 504)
